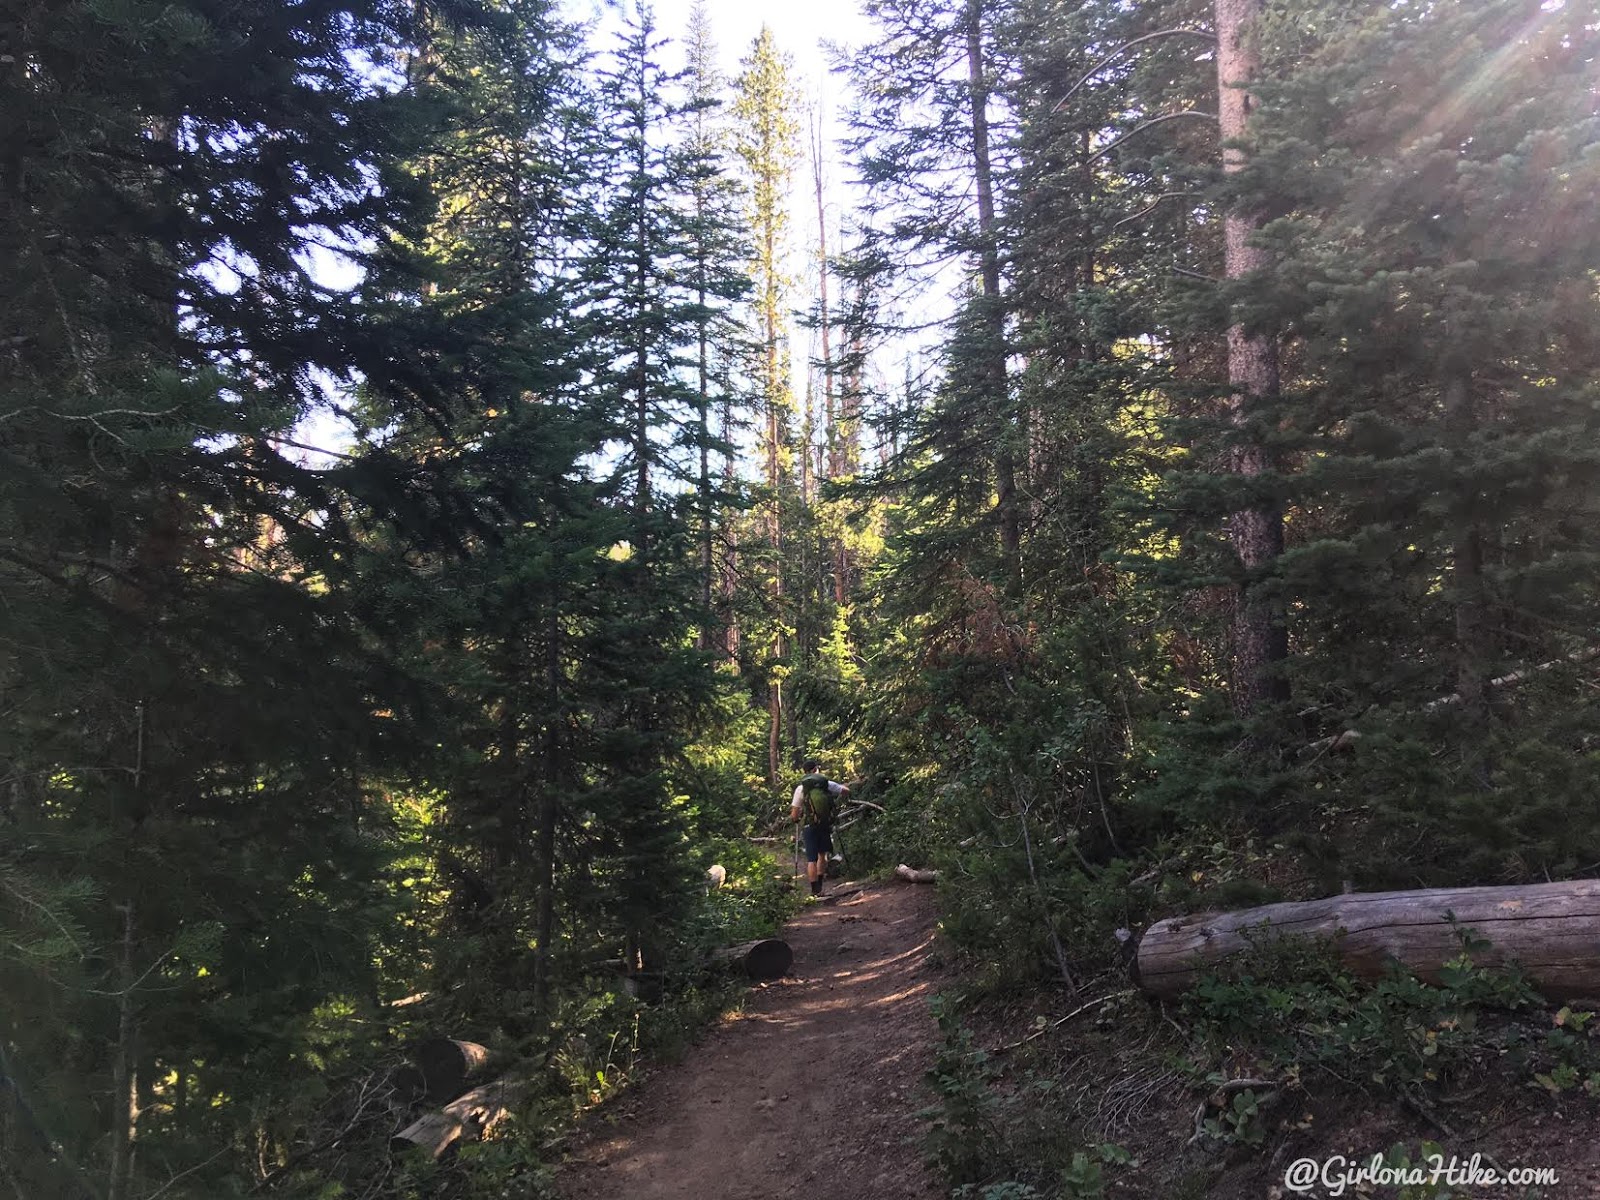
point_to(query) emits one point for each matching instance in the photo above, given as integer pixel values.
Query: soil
(813, 1089)
(1115, 1080)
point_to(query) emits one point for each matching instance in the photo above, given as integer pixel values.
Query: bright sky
(800, 27)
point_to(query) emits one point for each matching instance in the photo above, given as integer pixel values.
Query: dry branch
(914, 875)
(1348, 738)
(1060, 1021)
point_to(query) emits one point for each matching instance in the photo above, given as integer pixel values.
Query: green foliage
(1239, 1122)
(1400, 1157)
(986, 1139)
(962, 1128)
(1292, 1002)
(1085, 1177)
(466, 706)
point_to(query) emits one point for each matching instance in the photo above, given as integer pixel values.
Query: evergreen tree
(1438, 278)
(768, 143)
(192, 705)
(718, 254)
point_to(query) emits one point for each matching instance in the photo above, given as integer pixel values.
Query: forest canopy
(457, 461)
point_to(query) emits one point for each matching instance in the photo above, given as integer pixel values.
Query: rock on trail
(813, 1090)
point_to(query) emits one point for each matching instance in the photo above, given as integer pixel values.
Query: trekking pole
(797, 849)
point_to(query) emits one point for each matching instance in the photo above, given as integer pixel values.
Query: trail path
(831, 1057)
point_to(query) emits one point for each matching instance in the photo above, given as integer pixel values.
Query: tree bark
(443, 1066)
(1546, 928)
(467, 1118)
(124, 1081)
(1005, 461)
(1260, 640)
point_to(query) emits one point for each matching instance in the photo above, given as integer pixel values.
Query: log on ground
(1550, 930)
(466, 1118)
(916, 875)
(764, 958)
(447, 1065)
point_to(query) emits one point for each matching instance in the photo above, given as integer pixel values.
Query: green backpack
(818, 800)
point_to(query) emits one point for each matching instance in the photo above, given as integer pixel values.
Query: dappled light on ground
(815, 1086)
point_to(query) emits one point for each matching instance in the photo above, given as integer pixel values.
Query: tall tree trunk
(549, 811)
(1005, 461)
(124, 1081)
(1472, 625)
(774, 731)
(848, 438)
(729, 560)
(774, 527)
(831, 416)
(822, 301)
(1260, 639)
(708, 619)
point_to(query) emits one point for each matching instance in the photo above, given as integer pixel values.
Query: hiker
(816, 800)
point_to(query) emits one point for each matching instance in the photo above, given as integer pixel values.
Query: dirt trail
(831, 1057)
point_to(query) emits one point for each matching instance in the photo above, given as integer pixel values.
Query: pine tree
(718, 254)
(768, 144)
(191, 701)
(1437, 276)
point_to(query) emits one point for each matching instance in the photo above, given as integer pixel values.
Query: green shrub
(1294, 1004)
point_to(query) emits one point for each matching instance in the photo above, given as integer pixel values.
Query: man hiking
(816, 800)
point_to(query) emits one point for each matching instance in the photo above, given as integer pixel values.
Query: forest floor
(1116, 1075)
(812, 1089)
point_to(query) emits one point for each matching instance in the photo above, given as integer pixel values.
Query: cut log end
(446, 1065)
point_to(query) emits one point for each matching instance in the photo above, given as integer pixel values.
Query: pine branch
(1203, 34)
(1150, 124)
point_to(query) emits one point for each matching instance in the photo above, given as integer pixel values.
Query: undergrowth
(612, 1037)
(1248, 1056)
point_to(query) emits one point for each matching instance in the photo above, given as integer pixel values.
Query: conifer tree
(1436, 268)
(191, 699)
(768, 143)
(718, 254)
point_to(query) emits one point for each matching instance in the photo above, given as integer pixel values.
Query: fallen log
(916, 875)
(466, 1118)
(764, 958)
(1550, 930)
(447, 1064)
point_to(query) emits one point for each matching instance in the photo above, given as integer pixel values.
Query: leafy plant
(962, 1126)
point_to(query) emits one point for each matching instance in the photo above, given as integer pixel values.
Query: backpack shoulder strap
(807, 786)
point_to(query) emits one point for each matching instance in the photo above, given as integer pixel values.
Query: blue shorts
(818, 841)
